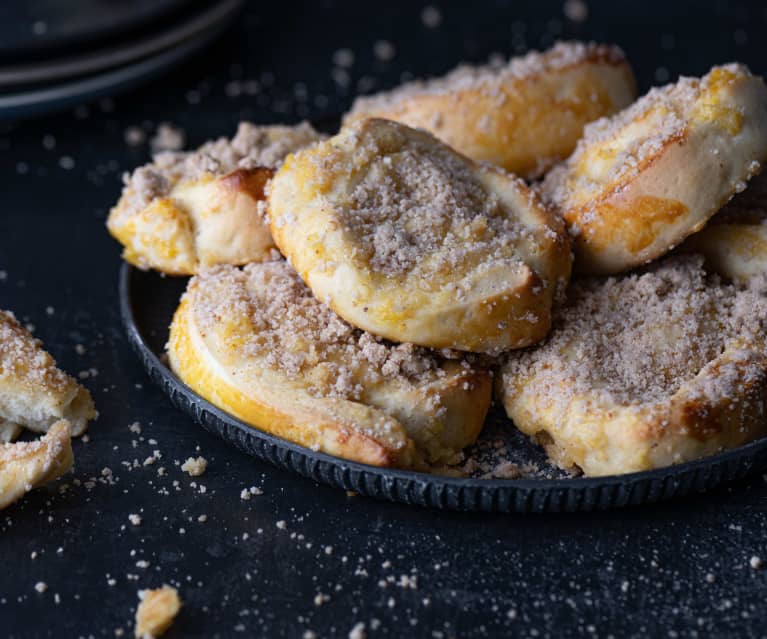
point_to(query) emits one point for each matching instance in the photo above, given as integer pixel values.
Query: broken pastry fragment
(645, 370)
(156, 612)
(523, 115)
(643, 180)
(407, 239)
(188, 210)
(256, 343)
(27, 465)
(34, 393)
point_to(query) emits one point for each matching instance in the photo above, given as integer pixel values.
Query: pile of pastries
(529, 230)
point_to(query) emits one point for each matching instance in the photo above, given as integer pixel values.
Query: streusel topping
(489, 77)
(253, 146)
(416, 206)
(23, 360)
(638, 338)
(278, 321)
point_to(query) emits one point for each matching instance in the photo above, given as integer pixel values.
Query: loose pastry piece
(27, 465)
(640, 182)
(523, 115)
(256, 343)
(643, 371)
(156, 612)
(734, 242)
(189, 210)
(33, 392)
(407, 239)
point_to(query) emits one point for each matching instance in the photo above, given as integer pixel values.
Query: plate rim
(113, 56)
(152, 362)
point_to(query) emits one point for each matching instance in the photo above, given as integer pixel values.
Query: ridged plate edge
(436, 491)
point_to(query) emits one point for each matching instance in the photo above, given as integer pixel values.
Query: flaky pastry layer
(257, 344)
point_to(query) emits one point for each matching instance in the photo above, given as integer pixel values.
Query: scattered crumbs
(431, 17)
(253, 491)
(384, 50)
(710, 578)
(202, 519)
(79, 349)
(343, 58)
(195, 466)
(328, 550)
(41, 587)
(66, 162)
(33, 555)
(134, 136)
(167, 138)
(281, 524)
(358, 632)
(309, 634)
(576, 10)
(134, 519)
(321, 598)
(351, 493)
(49, 310)
(135, 428)
(755, 562)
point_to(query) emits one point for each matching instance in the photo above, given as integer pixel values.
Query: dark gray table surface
(676, 569)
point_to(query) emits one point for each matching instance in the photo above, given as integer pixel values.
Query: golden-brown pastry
(734, 242)
(27, 465)
(256, 343)
(406, 238)
(645, 370)
(33, 392)
(156, 612)
(640, 182)
(189, 210)
(524, 115)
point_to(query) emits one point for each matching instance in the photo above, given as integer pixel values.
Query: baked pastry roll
(523, 115)
(406, 238)
(644, 370)
(734, 242)
(27, 465)
(257, 344)
(34, 393)
(189, 210)
(640, 182)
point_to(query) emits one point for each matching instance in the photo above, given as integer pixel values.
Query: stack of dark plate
(56, 53)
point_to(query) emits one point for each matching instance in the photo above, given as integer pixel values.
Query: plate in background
(48, 98)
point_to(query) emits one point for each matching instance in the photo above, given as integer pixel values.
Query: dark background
(678, 569)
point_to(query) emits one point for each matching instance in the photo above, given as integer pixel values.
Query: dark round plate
(147, 303)
(30, 28)
(37, 101)
(113, 55)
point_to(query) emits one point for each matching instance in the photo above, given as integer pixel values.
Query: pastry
(643, 180)
(189, 210)
(33, 392)
(257, 344)
(409, 240)
(27, 465)
(523, 115)
(645, 370)
(734, 242)
(156, 612)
